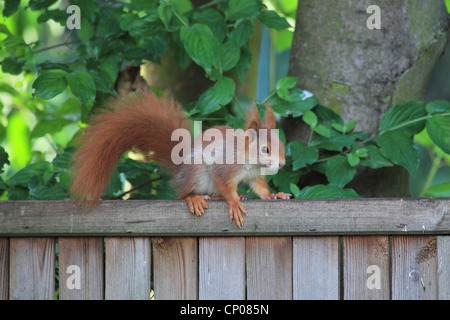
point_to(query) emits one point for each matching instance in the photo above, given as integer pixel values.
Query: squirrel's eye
(265, 149)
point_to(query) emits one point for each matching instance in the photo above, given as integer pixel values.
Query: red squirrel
(146, 123)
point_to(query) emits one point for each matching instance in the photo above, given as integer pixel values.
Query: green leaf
(399, 148)
(334, 142)
(14, 45)
(64, 160)
(56, 15)
(129, 21)
(243, 65)
(349, 126)
(238, 9)
(18, 193)
(86, 31)
(295, 190)
(272, 20)
(301, 154)
(110, 67)
(242, 32)
(322, 130)
(55, 192)
(40, 4)
(284, 179)
(4, 29)
(23, 176)
(375, 159)
(182, 6)
(201, 45)
(49, 126)
(106, 28)
(338, 171)
(320, 191)
(219, 95)
(438, 128)
(283, 86)
(287, 83)
(82, 85)
(328, 116)
(352, 159)
(3, 158)
(310, 118)
(50, 83)
(441, 190)
(403, 117)
(230, 54)
(215, 21)
(11, 7)
(3, 186)
(302, 100)
(438, 106)
(165, 11)
(12, 66)
(361, 152)
(339, 127)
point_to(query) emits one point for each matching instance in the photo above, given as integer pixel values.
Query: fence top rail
(392, 216)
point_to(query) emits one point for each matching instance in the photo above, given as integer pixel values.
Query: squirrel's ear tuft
(253, 120)
(269, 118)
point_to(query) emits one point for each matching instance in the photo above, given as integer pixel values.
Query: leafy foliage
(68, 86)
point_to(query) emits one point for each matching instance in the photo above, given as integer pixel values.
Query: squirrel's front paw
(197, 204)
(278, 195)
(282, 195)
(236, 211)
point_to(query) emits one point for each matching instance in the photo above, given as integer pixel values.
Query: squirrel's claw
(282, 195)
(236, 211)
(197, 204)
(278, 195)
(243, 197)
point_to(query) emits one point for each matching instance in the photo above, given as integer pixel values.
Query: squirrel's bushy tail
(144, 123)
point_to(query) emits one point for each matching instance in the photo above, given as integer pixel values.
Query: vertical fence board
(127, 268)
(443, 248)
(175, 262)
(269, 268)
(366, 268)
(32, 269)
(414, 268)
(4, 268)
(316, 268)
(87, 254)
(222, 268)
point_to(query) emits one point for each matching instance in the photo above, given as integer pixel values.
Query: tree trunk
(360, 72)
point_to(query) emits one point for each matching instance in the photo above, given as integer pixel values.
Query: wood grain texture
(222, 268)
(32, 269)
(443, 250)
(407, 216)
(366, 259)
(414, 268)
(316, 268)
(127, 268)
(88, 255)
(4, 268)
(175, 268)
(269, 268)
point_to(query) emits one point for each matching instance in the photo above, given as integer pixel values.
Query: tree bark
(360, 72)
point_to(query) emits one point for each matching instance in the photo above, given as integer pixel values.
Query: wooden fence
(296, 249)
